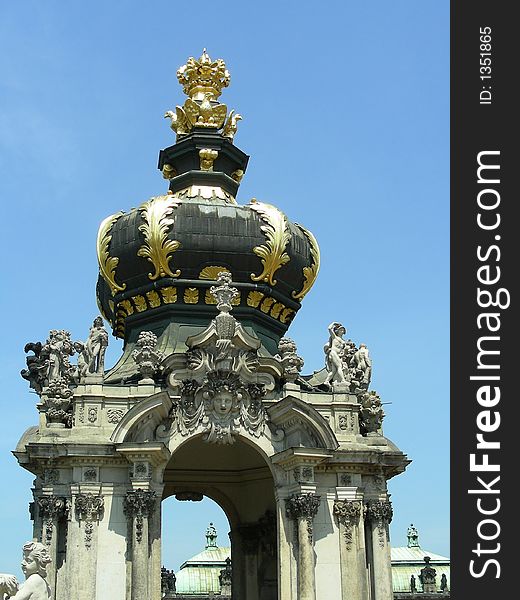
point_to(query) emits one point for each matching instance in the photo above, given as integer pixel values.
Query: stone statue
(168, 580)
(91, 359)
(413, 537)
(211, 536)
(361, 362)
(225, 579)
(34, 566)
(371, 413)
(427, 576)
(335, 354)
(444, 583)
(413, 585)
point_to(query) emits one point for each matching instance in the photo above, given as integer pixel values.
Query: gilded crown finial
(203, 78)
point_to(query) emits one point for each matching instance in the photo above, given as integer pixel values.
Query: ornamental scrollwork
(311, 272)
(107, 263)
(303, 506)
(157, 248)
(50, 509)
(272, 253)
(347, 512)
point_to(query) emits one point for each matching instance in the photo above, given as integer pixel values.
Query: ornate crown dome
(158, 261)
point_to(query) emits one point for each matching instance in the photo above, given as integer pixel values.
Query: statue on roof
(413, 537)
(211, 536)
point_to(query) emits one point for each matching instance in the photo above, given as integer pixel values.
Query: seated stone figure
(34, 566)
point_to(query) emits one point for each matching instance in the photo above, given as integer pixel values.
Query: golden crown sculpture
(203, 81)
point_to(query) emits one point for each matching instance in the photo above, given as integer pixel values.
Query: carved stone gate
(208, 396)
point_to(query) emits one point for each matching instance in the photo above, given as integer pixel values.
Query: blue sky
(346, 119)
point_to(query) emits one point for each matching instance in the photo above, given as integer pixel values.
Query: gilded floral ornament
(272, 253)
(107, 263)
(157, 247)
(311, 272)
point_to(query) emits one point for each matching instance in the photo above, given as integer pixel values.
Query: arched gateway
(208, 396)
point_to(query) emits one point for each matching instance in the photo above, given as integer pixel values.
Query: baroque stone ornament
(347, 512)
(371, 413)
(89, 508)
(278, 236)
(291, 362)
(223, 389)
(225, 578)
(380, 513)
(168, 580)
(57, 397)
(146, 356)
(157, 248)
(427, 577)
(50, 508)
(35, 560)
(304, 506)
(137, 505)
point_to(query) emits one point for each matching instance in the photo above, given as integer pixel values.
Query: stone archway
(239, 480)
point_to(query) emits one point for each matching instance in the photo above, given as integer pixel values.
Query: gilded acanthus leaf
(277, 234)
(157, 247)
(311, 272)
(107, 263)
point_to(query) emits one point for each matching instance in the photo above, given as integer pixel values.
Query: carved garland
(347, 513)
(277, 234)
(107, 263)
(157, 248)
(139, 504)
(311, 272)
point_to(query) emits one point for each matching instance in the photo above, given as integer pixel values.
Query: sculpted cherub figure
(34, 566)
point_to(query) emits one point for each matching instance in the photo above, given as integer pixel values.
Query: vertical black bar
(485, 242)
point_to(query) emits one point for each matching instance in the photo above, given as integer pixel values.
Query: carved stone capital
(380, 513)
(50, 508)
(347, 512)
(302, 505)
(137, 505)
(89, 508)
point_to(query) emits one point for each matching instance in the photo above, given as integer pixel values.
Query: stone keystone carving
(303, 506)
(34, 566)
(380, 513)
(51, 508)
(222, 388)
(89, 508)
(292, 363)
(147, 357)
(371, 413)
(347, 513)
(137, 505)
(427, 577)
(91, 359)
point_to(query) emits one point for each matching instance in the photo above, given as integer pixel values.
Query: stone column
(238, 571)
(249, 536)
(378, 515)
(302, 508)
(154, 528)
(286, 563)
(139, 506)
(51, 509)
(353, 572)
